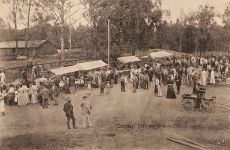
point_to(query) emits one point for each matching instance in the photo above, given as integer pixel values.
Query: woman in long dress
(16, 97)
(21, 96)
(170, 90)
(157, 90)
(203, 80)
(2, 106)
(212, 77)
(26, 100)
(34, 92)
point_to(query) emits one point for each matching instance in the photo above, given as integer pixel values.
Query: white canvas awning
(64, 70)
(128, 59)
(160, 54)
(91, 65)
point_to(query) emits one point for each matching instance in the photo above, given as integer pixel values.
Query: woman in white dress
(26, 94)
(34, 92)
(2, 106)
(226, 71)
(159, 92)
(21, 96)
(203, 80)
(2, 77)
(212, 77)
(16, 97)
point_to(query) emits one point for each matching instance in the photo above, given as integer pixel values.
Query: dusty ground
(31, 127)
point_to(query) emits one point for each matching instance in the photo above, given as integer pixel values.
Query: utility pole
(108, 40)
(228, 49)
(62, 16)
(70, 32)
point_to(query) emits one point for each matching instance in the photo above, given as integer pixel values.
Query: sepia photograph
(114, 75)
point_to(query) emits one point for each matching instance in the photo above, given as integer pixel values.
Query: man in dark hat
(178, 79)
(68, 109)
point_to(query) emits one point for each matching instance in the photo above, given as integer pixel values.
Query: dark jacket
(68, 109)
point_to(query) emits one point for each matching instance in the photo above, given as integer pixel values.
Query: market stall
(65, 70)
(91, 65)
(160, 54)
(128, 59)
(90, 71)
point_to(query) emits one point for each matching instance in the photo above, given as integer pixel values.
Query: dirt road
(154, 118)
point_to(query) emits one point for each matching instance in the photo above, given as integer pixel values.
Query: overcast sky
(175, 7)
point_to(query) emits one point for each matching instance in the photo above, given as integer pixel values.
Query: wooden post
(185, 143)
(186, 139)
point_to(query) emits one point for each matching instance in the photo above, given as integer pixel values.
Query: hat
(68, 99)
(84, 96)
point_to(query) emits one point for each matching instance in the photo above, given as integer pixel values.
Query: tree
(29, 4)
(59, 12)
(131, 22)
(200, 24)
(15, 7)
(226, 21)
(205, 19)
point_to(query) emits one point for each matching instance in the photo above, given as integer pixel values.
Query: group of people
(20, 94)
(187, 70)
(86, 109)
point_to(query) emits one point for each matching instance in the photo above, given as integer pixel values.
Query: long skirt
(122, 86)
(156, 90)
(134, 86)
(170, 92)
(159, 91)
(21, 99)
(34, 98)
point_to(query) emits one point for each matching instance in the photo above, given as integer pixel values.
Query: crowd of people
(188, 70)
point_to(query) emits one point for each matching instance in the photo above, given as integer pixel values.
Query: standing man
(68, 109)
(195, 79)
(146, 81)
(135, 81)
(54, 93)
(45, 93)
(122, 79)
(86, 108)
(178, 79)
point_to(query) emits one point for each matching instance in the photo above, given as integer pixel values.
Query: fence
(16, 72)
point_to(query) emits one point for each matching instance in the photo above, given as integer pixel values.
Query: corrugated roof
(21, 44)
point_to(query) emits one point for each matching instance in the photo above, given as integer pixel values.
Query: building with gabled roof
(35, 48)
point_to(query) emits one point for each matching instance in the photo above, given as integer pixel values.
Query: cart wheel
(187, 105)
(206, 106)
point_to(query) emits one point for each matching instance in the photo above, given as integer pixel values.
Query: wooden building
(35, 48)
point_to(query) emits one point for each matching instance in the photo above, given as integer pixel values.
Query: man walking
(178, 79)
(45, 96)
(86, 108)
(68, 109)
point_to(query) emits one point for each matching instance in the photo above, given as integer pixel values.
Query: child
(108, 87)
(2, 106)
(89, 86)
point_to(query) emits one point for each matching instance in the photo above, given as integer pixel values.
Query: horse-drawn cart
(191, 101)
